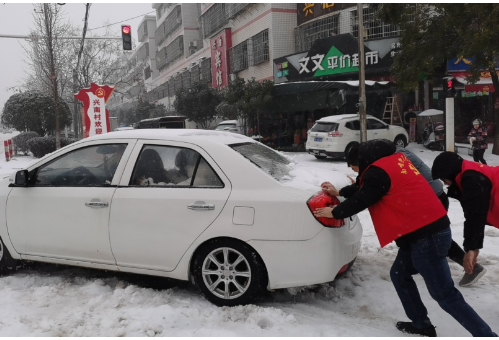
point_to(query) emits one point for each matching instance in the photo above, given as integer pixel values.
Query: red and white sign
(94, 105)
(220, 66)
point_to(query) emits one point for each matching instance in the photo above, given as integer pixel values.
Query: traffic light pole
(449, 124)
(29, 37)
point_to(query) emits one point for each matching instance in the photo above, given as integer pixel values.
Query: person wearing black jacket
(424, 239)
(456, 253)
(474, 196)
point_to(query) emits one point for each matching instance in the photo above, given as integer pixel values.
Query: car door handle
(97, 204)
(201, 206)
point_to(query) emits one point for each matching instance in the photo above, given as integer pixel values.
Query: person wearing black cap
(478, 140)
(396, 194)
(456, 253)
(476, 187)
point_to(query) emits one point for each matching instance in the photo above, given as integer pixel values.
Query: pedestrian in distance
(405, 209)
(478, 139)
(456, 253)
(476, 187)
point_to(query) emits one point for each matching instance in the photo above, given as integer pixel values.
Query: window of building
(173, 21)
(147, 72)
(186, 79)
(260, 47)
(375, 28)
(175, 49)
(161, 58)
(178, 82)
(306, 34)
(205, 75)
(238, 56)
(195, 71)
(213, 19)
(232, 10)
(143, 52)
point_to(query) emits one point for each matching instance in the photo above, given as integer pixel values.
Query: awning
(312, 86)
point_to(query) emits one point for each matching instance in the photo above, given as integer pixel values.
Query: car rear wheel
(228, 272)
(6, 261)
(320, 157)
(400, 141)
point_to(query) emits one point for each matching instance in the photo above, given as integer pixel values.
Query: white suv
(334, 135)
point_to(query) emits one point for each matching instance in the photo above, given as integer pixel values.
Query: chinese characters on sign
(312, 64)
(96, 117)
(220, 69)
(309, 11)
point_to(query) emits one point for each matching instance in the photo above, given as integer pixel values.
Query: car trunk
(319, 133)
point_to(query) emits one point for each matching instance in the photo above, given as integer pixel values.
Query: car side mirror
(387, 126)
(19, 179)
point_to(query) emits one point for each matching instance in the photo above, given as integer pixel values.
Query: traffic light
(126, 36)
(449, 87)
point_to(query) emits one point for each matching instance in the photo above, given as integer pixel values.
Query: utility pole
(75, 76)
(362, 76)
(53, 77)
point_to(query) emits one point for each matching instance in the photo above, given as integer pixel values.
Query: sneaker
(408, 328)
(469, 279)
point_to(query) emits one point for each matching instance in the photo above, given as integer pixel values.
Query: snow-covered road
(46, 300)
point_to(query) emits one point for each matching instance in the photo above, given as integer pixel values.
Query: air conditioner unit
(179, 20)
(193, 43)
(232, 77)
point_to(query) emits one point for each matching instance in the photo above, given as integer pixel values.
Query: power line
(120, 21)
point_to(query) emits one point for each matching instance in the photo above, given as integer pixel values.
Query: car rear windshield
(226, 126)
(324, 127)
(265, 158)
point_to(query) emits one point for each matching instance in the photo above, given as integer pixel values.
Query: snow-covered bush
(20, 141)
(40, 146)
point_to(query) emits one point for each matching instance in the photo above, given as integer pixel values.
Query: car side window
(169, 166)
(89, 166)
(374, 124)
(353, 125)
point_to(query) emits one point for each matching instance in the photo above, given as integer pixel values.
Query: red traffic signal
(126, 37)
(449, 84)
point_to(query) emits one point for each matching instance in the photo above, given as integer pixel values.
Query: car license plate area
(317, 139)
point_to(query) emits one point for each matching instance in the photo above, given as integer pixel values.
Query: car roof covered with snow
(228, 122)
(181, 135)
(337, 118)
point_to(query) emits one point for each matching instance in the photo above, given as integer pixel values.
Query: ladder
(392, 112)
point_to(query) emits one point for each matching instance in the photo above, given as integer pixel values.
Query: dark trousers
(456, 253)
(428, 258)
(478, 156)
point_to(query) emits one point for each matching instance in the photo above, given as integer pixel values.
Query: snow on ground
(49, 300)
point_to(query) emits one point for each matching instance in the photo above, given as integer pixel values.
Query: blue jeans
(428, 258)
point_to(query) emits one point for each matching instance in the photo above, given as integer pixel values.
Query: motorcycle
(434, 136)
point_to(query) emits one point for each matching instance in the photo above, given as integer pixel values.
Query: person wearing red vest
(405, 209)
(475, 185)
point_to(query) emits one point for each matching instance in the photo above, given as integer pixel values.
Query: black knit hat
(371, 151)
(447, 165)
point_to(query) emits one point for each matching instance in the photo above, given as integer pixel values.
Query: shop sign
(461, 64)
(220, 67)
(307, 12)
(95, 115)
(331, 56)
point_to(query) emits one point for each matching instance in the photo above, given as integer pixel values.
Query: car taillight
(323, 200)
(335, 134)
(343, 269)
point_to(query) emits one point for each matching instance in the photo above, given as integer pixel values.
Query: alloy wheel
(226, 273)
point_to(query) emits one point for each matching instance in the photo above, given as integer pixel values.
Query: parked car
(230, 125)
(176, 203)
(334, 135)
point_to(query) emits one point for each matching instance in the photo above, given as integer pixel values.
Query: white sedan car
(185, 204)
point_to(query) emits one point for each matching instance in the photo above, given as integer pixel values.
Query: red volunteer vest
(492, 173)
(410, 203)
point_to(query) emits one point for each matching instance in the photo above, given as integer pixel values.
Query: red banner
(94, 105)
(220, 66)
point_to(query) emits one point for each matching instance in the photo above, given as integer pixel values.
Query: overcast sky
(16, 19)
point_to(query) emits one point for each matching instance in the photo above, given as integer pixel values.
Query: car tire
(348, 148)
(320, 157)
(400, 141)
(213, 263)
(6, 260)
